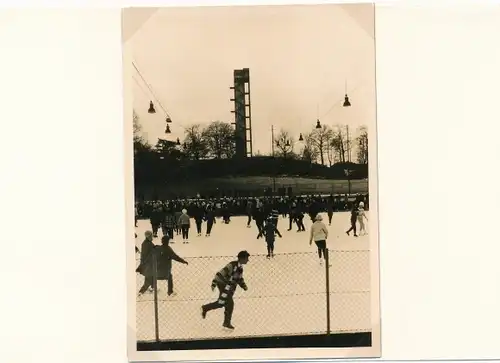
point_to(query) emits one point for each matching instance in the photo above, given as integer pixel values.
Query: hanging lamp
(151, 107)
(347, 103)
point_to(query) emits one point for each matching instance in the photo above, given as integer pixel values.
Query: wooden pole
(155, 291)
(327, 270)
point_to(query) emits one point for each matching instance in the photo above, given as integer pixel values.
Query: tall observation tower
(242, 113)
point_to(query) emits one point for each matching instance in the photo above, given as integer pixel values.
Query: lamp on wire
(347, 103)
(168, 120)
(167, 130)
(318, 124)
(178, 142)
(289, 143)
(151, 107)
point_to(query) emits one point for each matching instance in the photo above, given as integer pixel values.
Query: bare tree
(284, 144)
(137, 125)
(362, 143)
(341, 143)
(140, 143)
(309, 151)
(321, 138)
(329, 149)
(195, 146)
(219, 138)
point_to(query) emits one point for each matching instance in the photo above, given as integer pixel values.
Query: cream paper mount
(251, 129)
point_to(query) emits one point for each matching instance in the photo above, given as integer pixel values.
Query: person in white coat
(319, 233)
(361, 218)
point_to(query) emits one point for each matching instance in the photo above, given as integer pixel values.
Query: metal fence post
(155, 291)
(327, 271)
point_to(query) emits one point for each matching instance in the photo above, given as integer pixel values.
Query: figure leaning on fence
(164, 256)
(226, 281)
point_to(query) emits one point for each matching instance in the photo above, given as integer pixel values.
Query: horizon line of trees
(325, 146)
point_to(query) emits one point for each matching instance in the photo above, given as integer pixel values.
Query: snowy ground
(286, 294)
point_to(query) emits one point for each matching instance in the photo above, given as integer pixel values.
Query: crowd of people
(174, 217)
(166, 214)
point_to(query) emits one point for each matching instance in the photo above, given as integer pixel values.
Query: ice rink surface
(286, 295)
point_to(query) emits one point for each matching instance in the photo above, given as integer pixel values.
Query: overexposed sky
(300, 58)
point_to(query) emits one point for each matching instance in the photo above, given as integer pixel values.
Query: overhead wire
(150, 89)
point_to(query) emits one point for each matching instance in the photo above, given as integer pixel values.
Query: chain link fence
(290, 294)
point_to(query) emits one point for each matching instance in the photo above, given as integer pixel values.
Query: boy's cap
(243, 254)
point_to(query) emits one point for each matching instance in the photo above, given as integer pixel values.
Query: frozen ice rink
(286, 295)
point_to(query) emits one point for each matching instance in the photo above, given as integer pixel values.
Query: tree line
(325, 145)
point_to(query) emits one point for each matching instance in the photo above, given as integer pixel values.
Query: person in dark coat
(198, 215)
(291, 216)
(226, 214)
(169, 224)
(329, 209)
(210, 218)
(299, 219)
(226, 280)
(145, 267)
(313, 210)
(259, 217)
(274, 215)
(165, 256)
(156, 218)
(249, 210)
(270, 232)
(354, 217)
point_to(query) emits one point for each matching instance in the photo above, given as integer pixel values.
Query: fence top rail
(276, 254)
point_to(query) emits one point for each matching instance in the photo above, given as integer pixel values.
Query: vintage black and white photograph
(253, 184)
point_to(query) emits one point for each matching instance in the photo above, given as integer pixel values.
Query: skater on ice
(329, 209)
(270, 232)
(361, 218)
(354, 218)
(146, 262)
(210, 219)
(226, 281)
(319, 233)
(165, 257)
(168, 224)
(185, 223)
